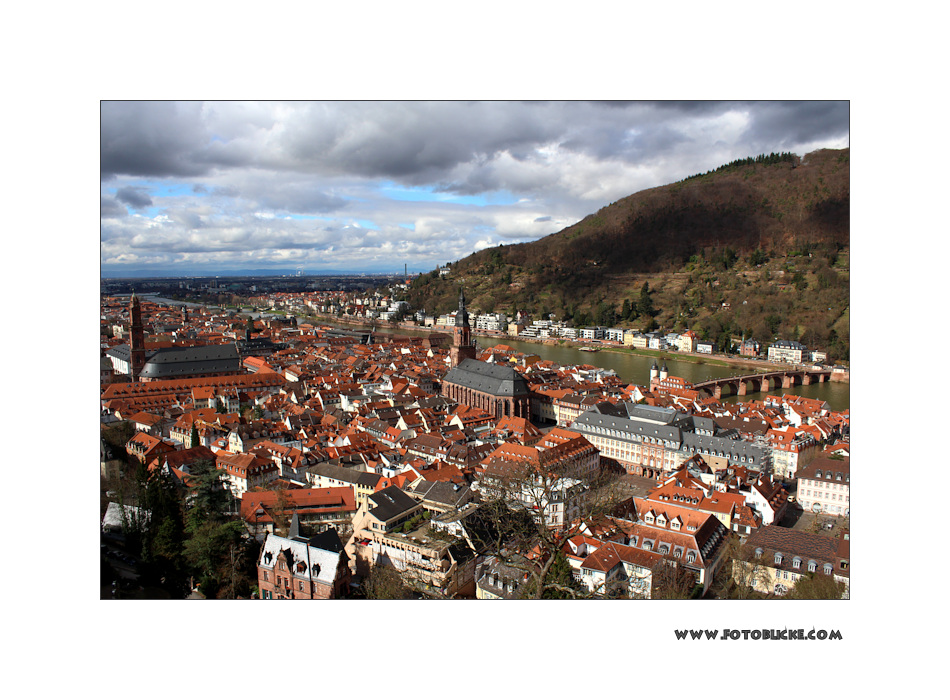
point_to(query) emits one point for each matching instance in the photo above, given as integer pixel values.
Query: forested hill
(741, 227)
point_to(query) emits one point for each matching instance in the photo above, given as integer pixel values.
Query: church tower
(462, 345)
(136, 338)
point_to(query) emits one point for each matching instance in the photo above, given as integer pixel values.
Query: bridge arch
(761, 382)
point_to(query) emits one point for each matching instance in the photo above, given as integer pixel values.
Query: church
(495, 389)
(142, 365)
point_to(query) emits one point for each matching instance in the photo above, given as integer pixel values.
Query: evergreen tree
(208, 499)
(645, 302)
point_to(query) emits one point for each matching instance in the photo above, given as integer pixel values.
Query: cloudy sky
(224, 187)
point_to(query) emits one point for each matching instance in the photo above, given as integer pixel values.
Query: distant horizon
(157, 274)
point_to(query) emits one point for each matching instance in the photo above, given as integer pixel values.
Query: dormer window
(796, 563)
(827, 569)
(778, 557)
(812, 565)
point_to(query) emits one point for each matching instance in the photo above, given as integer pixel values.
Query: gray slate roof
(318, 565)
(492, 379)
(391, 502)
(678, 433)
(442, 492)
(179, 362)
(350, 476)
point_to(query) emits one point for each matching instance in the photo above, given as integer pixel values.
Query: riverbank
(741, 363)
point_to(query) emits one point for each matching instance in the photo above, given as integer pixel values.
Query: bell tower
(462, 345)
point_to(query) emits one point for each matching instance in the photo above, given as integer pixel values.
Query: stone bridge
(763, 381)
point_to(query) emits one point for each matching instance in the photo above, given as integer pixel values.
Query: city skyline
(362, 187)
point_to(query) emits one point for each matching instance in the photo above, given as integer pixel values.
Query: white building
(824, 486)
(787, 351)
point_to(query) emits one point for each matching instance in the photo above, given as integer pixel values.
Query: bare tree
(385, 583)
(672, 581)
(747, 572)
(283, 513)
(816, 586)
(531, 510)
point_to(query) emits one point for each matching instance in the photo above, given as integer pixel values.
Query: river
(635, 369)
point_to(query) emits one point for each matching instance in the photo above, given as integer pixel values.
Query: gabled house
(497, 580)
(301, 568)
(614, 569)
(146, 447)
(242, 471)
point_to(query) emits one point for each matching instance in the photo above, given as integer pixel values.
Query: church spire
(462, 346)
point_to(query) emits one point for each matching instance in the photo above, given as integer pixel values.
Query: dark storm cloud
(156, 139)
(110, 209)
(135, 197)
(420, 143)
(787, 124)
(414, 143)
(690, 108)
(542, 219)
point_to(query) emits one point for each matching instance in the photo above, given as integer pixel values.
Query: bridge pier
(787, 381)
(742, 389)
(806, 380)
